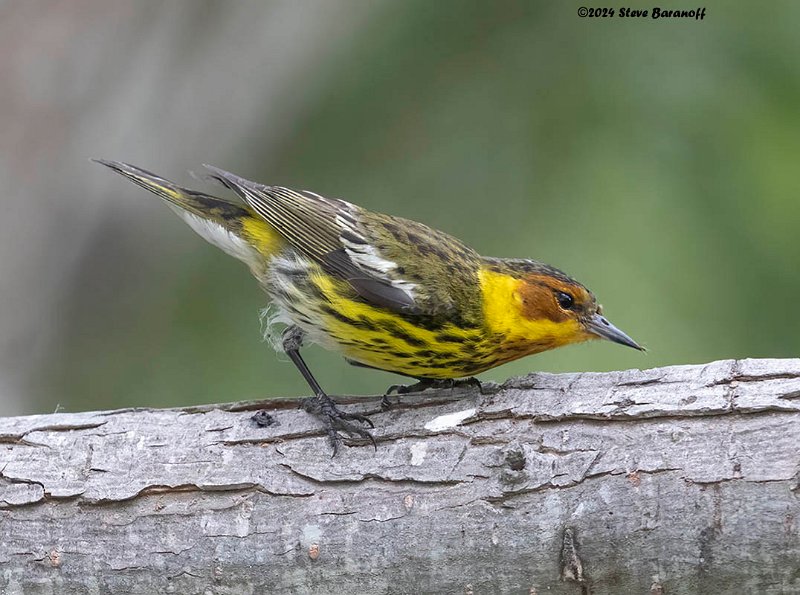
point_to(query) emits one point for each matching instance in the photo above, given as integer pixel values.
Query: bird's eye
(565, 300)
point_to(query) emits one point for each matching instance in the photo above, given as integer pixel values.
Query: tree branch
(671, 480)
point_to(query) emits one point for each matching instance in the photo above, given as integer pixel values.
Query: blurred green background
(656, 161)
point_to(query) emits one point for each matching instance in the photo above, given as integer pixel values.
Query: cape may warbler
(386, 292)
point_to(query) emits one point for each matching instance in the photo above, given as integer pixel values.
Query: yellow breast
(333, 316)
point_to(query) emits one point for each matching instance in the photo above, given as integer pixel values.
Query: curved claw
(419, 386)
(336, 421)
(338, 424)
(470, 382)
(426, 383)
(357, 417)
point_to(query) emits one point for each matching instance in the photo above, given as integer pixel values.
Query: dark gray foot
(426, 383)
(337, 420)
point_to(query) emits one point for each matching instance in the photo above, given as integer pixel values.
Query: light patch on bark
(450, 420)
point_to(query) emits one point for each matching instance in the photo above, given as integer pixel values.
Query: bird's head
(546, 308)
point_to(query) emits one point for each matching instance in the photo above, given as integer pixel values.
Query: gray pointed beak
(600, 326)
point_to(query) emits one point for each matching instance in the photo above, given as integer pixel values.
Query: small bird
(388, 293)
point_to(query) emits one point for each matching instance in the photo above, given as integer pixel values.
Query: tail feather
(233, 227)
(203, 205)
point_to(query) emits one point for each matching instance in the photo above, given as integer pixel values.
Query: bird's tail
(233, 227)
(197, 203)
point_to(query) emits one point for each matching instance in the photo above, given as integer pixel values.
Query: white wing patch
(367, 257)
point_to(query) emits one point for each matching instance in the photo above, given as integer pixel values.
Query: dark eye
(565, 300)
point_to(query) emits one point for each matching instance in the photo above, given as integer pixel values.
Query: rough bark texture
(672, 480)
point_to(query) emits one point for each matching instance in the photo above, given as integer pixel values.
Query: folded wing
(390, 262)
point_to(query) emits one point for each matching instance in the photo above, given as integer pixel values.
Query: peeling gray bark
(672, 480)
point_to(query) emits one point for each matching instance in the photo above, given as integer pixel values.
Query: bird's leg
(321, 404)
(426, 383)
(470, 382)
(421, 385)
(404, 389)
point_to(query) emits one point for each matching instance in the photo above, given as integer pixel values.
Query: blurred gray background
(656, 161)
